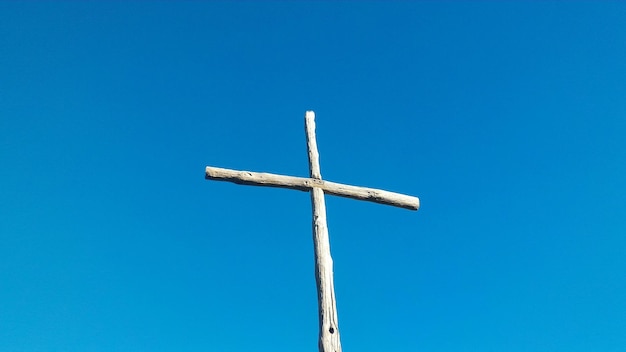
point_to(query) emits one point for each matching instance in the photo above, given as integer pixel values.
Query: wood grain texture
(305, 184)
(329, 340)
(311, 146)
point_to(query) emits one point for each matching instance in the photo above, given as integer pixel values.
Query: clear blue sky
(508, 120)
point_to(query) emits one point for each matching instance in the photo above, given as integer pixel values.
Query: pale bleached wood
(329, 340)
(305, 184)
(311, 146)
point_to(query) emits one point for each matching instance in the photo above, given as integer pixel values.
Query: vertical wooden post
(329, 330)
(327, 308)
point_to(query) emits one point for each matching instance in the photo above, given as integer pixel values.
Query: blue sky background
(508, 120)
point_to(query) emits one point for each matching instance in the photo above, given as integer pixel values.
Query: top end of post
(310, 114)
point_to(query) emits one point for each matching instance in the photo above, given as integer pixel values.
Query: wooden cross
(329, 330)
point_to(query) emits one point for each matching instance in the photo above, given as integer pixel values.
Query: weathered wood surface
(329, 340)
(305, 184)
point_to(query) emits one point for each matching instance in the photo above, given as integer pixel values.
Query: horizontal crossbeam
(305, 184)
